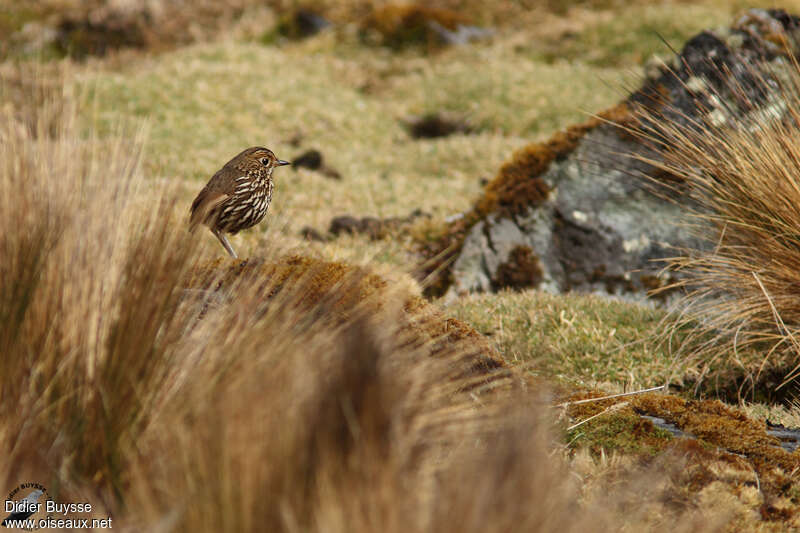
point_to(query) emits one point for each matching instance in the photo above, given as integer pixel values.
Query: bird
(237, 196)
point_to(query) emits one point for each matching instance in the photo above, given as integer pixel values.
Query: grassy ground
(581, 340)
(542, 71)
(203, 103)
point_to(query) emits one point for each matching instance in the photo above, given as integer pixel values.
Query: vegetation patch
(318, 278)
(32, 95)
(576, 339)
(720, 425)
(719, 435)
(342, 291)
(626, 35)
(622, 431)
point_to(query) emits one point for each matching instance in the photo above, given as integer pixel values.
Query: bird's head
(258, 158)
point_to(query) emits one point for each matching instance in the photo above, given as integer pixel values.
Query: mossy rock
(517, 188)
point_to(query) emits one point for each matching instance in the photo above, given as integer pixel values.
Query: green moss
(623, 432)
(718, 424)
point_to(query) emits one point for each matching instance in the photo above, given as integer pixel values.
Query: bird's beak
(281, 162)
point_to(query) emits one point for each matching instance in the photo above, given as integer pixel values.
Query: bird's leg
(224, 240)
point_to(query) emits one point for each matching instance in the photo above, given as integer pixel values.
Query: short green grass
(592, 341)
(578, 339)
(205, 102)
(630, 35)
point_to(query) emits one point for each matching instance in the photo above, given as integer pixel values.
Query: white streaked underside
(248, 205)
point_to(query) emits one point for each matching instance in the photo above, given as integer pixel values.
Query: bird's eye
(265, 161)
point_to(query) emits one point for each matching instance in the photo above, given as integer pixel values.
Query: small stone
(345, 224)
(433, 125)
(373, 227)
(311, 234)
(311, 159)
(296, 25)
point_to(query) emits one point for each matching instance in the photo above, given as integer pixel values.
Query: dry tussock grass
(255, 415)
(744, 199)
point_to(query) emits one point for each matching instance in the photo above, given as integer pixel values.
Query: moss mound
(343, 290)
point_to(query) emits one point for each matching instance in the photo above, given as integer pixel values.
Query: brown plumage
(237, 196)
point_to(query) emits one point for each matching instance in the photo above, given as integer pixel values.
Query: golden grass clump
(32, 95)
(113, 361)
(88, 297)
(744, 199)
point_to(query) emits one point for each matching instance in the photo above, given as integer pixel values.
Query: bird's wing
(204, 205)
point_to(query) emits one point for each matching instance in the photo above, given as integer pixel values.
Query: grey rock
(601, 230)
(605, 227)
